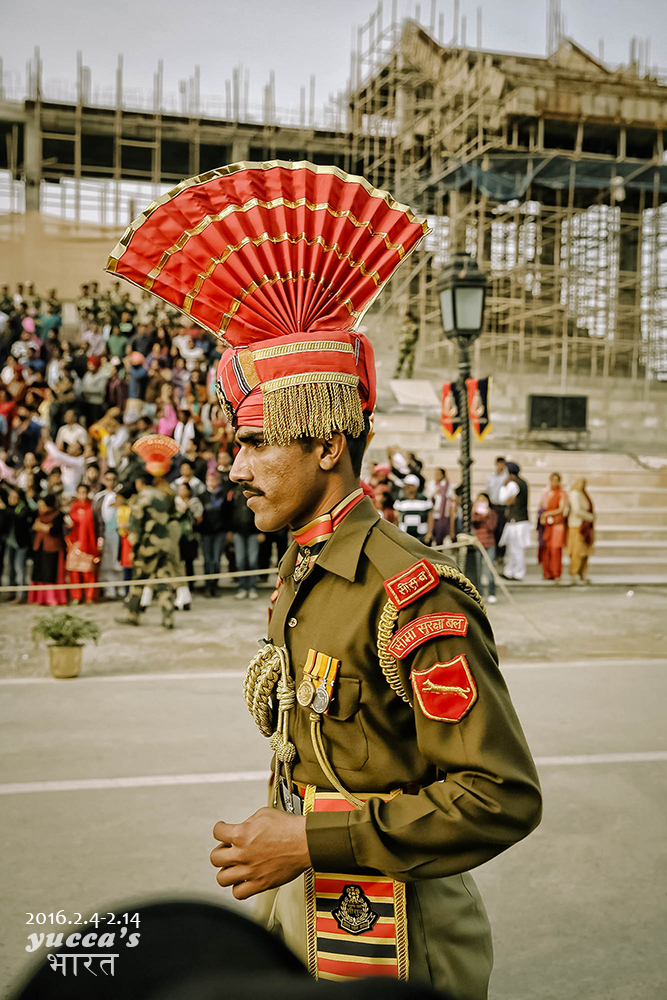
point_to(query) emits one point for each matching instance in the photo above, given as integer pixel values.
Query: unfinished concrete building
(551, 171)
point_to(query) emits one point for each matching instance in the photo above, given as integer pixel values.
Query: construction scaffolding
(550, 171)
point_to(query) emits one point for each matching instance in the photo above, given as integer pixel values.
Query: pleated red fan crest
(259, 250)
(155, 449)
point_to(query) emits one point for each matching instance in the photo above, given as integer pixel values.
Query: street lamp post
(462, 293)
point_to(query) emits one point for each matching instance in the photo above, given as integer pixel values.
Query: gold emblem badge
(353, 912)
(303, 565)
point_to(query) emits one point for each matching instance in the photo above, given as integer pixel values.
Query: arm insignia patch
(423, 628)
(446, 691)
(412, 583)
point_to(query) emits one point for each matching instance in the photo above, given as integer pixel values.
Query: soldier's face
(283, 484)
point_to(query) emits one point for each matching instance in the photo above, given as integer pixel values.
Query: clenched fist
(267, 850)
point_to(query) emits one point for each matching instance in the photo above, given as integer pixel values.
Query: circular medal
(321, 700)
(305, 692)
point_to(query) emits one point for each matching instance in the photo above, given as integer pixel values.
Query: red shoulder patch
(423, 628)
(412, 583)
(446, 691)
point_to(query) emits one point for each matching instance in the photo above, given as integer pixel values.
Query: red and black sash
(356, 925)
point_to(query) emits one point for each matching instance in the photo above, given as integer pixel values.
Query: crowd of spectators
(73, 400)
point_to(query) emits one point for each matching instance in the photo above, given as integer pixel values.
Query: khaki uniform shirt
(477, 790)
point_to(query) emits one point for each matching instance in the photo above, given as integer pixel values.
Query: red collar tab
(320, 528)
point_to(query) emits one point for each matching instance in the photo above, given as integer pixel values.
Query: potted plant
(65, 634)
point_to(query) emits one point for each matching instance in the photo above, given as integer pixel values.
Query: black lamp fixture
(462, 294)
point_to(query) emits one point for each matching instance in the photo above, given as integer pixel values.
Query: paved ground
(538, 624)
(153, 745)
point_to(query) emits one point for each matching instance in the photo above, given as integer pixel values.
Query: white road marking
(565, 760)
(147, 781)
(601, 661)
(239, 777)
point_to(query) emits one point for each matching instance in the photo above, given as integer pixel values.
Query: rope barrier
(147, 582)
(463, 541)
(474, 542)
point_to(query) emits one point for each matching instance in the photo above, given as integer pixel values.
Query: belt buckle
(292, 801)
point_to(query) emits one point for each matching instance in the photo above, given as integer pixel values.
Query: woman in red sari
(82, 551)
(555, 529)
(48, 556)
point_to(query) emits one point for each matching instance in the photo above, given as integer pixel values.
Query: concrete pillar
(240, 150)
(32, 164)
(627, 319)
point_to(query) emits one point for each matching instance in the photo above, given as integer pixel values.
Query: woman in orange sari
(555, 529)
(82, 549)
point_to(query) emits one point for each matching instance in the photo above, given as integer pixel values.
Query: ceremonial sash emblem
(446, 691)
(353, 912)
(412, 583)
(423, 628)
(356, 926)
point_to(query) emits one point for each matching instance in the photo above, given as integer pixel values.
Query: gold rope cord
(267, 677)
(389, 617)
(323, 761)
(311, 899)
(401, 924)
(234, 168)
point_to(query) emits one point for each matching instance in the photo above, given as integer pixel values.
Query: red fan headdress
(157, 451)
(280, 260)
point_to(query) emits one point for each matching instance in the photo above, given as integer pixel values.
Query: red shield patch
(412, 583)
(446, 691)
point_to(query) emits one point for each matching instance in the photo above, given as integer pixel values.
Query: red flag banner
(450, 413)
(478, 405)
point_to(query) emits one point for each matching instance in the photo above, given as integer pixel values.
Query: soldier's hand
(267, 850)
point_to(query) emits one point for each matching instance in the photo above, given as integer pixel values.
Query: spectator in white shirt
(191, 352)
(188, 477)
(413, 509)
(494, 484)
(71, 463)
(71, 432)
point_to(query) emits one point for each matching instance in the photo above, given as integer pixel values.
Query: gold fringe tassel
(311, 409)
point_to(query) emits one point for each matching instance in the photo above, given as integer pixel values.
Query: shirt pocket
(343, 730)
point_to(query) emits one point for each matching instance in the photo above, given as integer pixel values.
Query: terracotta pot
(65, 661)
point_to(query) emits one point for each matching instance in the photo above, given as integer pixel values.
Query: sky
(295, 38)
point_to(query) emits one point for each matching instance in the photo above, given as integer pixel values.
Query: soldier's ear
(332, 450)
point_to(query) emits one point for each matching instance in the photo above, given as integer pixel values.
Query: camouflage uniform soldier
(407, 346)
(151, 534)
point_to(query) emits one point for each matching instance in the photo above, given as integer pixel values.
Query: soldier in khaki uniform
(399, 763)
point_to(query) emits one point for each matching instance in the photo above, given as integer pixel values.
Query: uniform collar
(341, 553)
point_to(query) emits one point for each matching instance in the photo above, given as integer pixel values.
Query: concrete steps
(630, 499)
